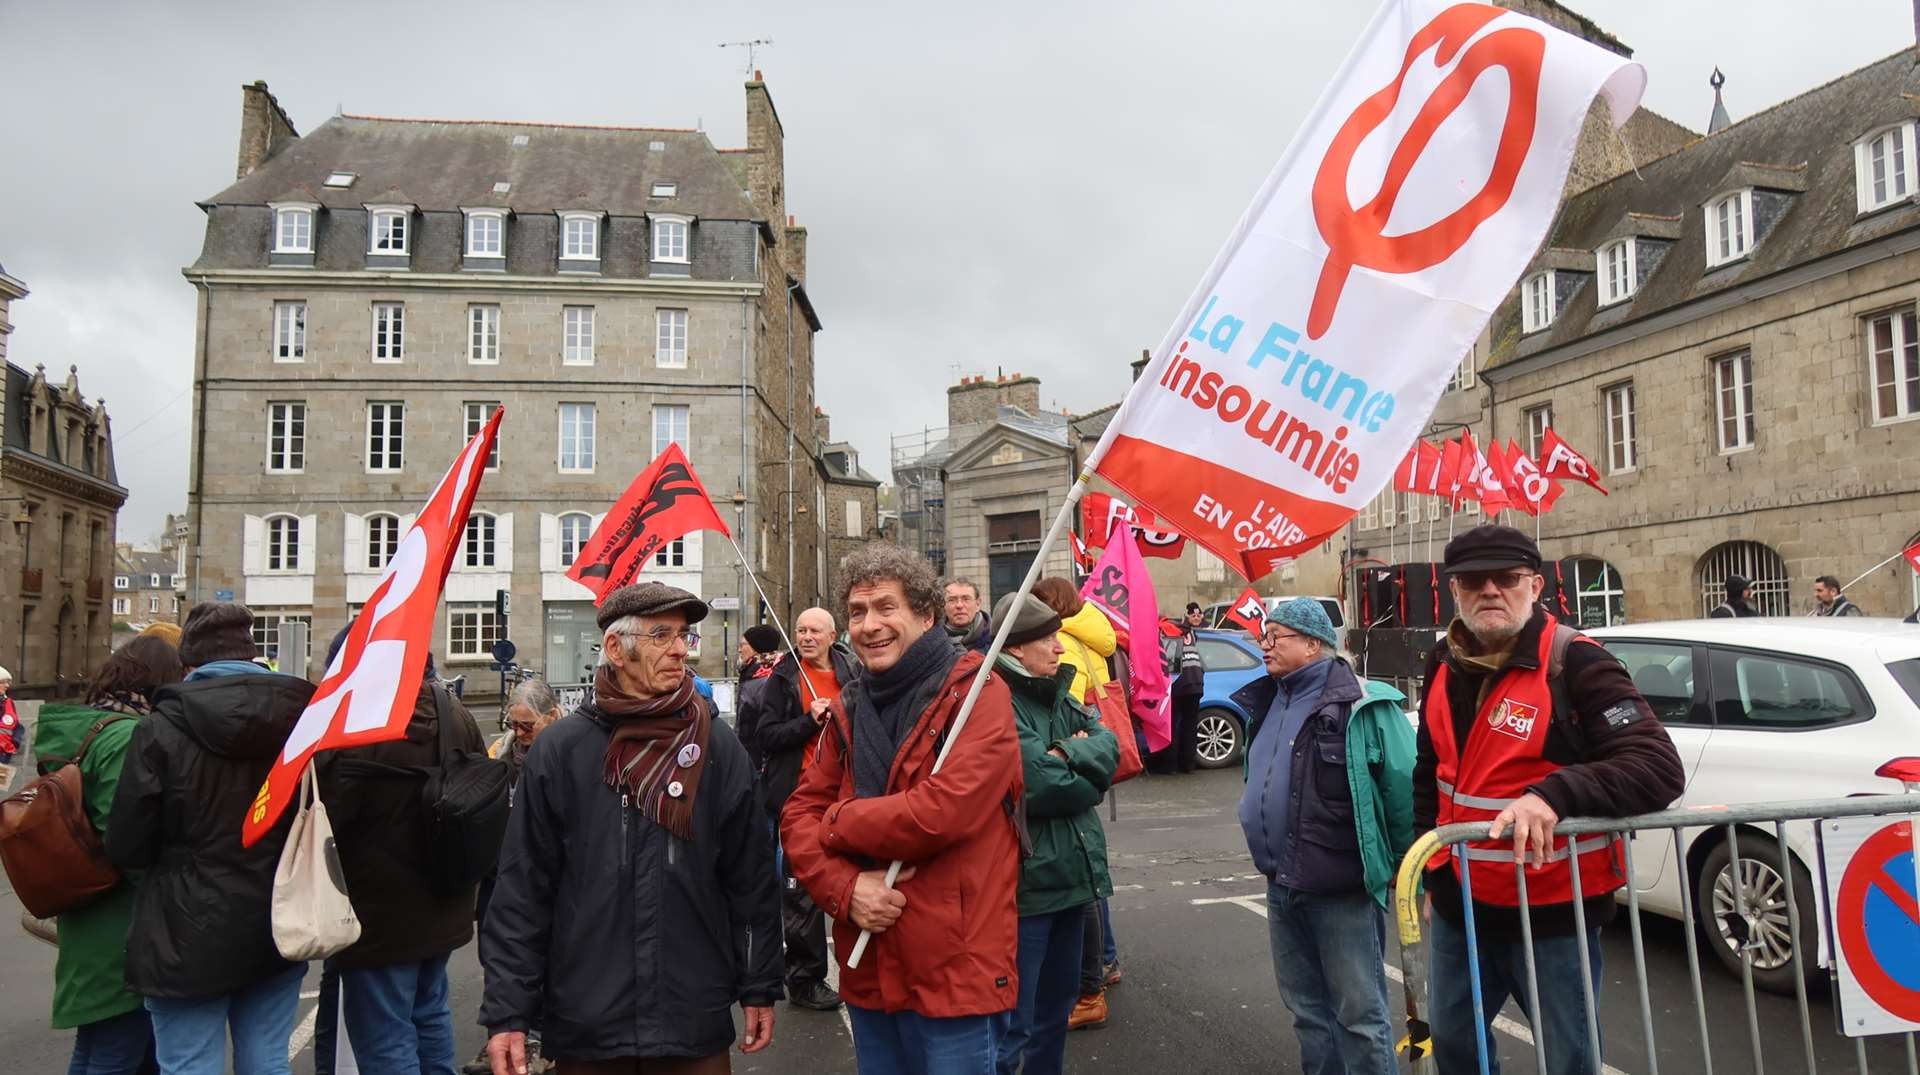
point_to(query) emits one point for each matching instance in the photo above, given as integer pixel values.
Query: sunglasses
(520, 725)
(1506, 580)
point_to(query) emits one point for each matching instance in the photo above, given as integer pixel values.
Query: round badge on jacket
(674, 789)
(689, 754)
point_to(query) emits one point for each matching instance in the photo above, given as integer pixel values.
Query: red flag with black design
(665, 502)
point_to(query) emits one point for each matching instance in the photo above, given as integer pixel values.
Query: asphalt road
(1199, 993)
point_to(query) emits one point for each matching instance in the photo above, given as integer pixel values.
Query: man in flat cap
(637, 900)
(1525, 721)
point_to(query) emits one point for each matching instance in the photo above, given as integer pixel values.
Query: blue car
(1233, 660)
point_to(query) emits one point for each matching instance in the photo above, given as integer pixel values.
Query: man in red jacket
(937, 980)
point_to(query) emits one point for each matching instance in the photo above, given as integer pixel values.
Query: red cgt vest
(1504, 757)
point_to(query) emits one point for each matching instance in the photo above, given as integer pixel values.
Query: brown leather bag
(48, 846)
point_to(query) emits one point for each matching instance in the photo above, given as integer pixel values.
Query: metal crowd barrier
(1418, 1046)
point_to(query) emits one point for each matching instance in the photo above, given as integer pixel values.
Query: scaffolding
(919, 461)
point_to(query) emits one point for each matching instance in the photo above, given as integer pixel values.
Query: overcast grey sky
(1034, 187)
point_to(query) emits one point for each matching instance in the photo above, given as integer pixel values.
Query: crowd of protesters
(661, 866)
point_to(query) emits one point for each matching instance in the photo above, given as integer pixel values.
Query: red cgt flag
(369, 690)
(665, 502)
(1248, 611)
(1559, 460)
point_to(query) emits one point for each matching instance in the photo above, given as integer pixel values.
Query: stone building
(143, 588)
(60, 498)
(1730, 337)
(850, 508)
(371, 291)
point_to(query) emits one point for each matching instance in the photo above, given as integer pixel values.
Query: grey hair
(625, 627)
(883, 561)
(959, 580)
(535, 695)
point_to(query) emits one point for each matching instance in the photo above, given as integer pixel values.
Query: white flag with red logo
(1313, 351)
(369, 690)
(1248, 611)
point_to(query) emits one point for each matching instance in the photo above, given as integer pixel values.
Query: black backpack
(466, 800)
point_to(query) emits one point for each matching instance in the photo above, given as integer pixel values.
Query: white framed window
(670, 238)
(389, 331)
(576, 438)
(1537, 301)
(1893, 361)
(266, 630)
(666, 189)
(1539, 420)
(383, 540)
(577, 335)
(472, 629)
(670, 339)
(1883, 167)
(1623, 453)
(672, 554)
(386, 430)
(286, 438)
(854, 528)
(1207, 567)
(340, 180)
(669, 426)
(289, 332)
(122, 606)
(580, 236)
(283, 543)
(486, 233)
(1464, 375)
(483, 335)
(293, 229)
(1733, 401)
(1615, 265)
(153, 581)
(480, 546)
(121, 582)
(387, 229)
(153, 606)
(477, 416)
(1370, 515)
(575, 528)
(1729, 227)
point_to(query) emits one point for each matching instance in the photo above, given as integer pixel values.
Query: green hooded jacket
(1068, 867)
(89, 982)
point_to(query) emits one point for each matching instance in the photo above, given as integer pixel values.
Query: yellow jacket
(1089, 640)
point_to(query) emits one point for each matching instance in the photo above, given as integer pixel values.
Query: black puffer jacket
(614, 937)
(776, 726)
(202, 912)
(374, 799)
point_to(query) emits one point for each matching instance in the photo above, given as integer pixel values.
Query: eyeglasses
(1272, 638)
(664, 636)
(1506, 580)
(520, 725)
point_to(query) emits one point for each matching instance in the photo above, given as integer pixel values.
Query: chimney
(1140, 364)
(264, 128)
(766, 167)
(796, 242)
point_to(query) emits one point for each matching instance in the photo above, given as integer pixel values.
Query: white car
(1216, 613)
(1768, 710)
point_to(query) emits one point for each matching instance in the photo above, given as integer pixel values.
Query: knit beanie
(764, 638)
(1303, 615)
(217, 631)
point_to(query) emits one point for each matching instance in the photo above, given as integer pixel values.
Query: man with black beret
(637, 898)
(1525, 721)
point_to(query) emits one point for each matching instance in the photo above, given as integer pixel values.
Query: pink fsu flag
(1312, 353)
(1121, 588)
(370, 688)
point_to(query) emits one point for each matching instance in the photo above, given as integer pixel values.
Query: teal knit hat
(1303, 615)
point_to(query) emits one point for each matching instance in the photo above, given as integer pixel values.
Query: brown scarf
(651, 737)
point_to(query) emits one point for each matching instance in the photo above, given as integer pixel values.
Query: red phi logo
(1356, 235)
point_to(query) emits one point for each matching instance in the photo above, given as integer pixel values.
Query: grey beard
(1495, 636)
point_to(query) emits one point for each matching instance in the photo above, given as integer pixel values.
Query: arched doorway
(1593, 592)
(1772, 591)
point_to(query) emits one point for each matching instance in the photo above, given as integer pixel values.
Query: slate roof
(1803, 146)
(19, 410)
(450, 164)
(843, 464)
(1093, 424)
(139, 564)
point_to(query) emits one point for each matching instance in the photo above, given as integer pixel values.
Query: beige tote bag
(312, 917)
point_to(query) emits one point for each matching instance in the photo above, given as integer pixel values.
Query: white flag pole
(1874, 568)
(986, 666)
(777, 625)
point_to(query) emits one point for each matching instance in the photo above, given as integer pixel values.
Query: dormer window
(293, 228)
(1883, 167)
(670, 238)
(1537, 302)
(1730, 227)
(580, 236)
(1615, 264)
(387, 228)
(486, 233)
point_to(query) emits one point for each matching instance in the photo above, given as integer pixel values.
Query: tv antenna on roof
(752, 47)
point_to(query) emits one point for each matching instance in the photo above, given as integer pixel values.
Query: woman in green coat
(1067, 758)
(113, 1035)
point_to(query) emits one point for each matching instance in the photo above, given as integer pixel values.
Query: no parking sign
(1873, 889)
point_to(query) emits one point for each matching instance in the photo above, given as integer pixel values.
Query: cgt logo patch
(1514, 718)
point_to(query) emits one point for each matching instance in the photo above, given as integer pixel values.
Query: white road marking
(302, 1032)
(833, 981)
(1517, 1031)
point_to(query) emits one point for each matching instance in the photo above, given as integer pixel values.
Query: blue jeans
(907, 1043)
(398, 1018)
(1562, 1019)
(1111, 951)
(1329, 957)
(117, 1045)
(190, 1036)
(1036, 1036)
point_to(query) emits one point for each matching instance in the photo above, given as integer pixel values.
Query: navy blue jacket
(1320, 851)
